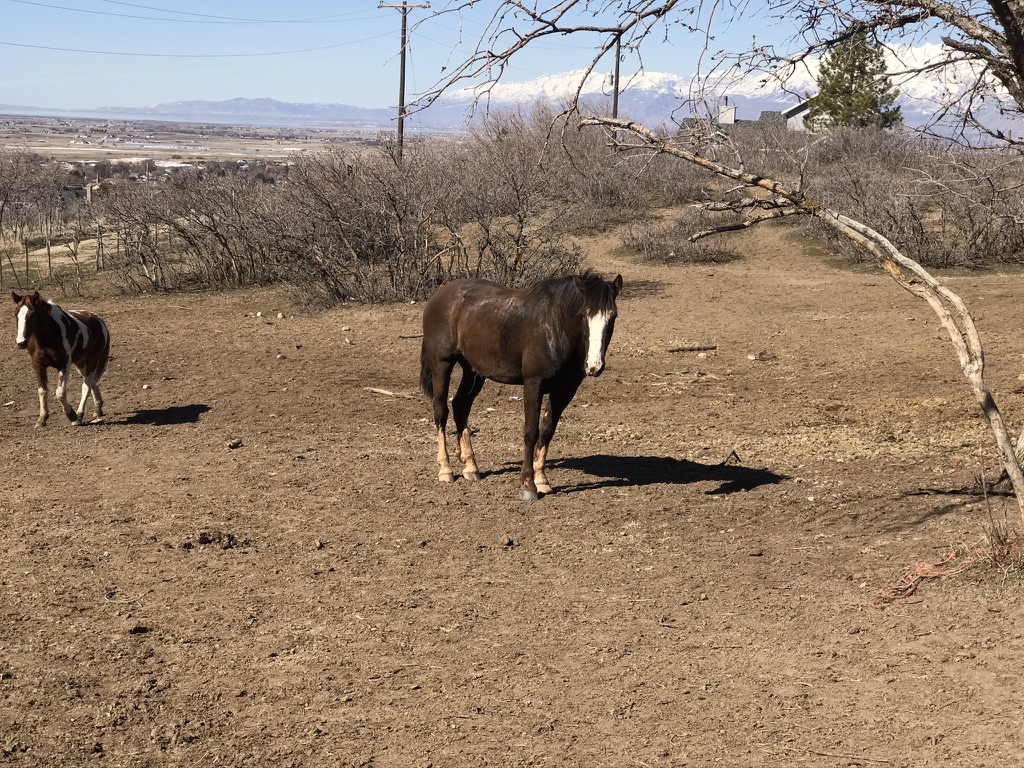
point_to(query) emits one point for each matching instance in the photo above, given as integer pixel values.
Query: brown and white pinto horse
(548, 338)
(56, 338)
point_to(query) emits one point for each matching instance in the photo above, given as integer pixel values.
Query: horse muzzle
(594, 370)
(22, 344)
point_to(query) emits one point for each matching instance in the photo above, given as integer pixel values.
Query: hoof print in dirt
(222, 539)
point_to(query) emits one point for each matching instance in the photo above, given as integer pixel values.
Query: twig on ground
(694, 348)
(388, 392)
(836, 754)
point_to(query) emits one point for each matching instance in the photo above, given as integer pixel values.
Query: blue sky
(83, 54)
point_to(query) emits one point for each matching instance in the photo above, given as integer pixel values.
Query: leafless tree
(19, 175)
(195, 228)
(32, 208)
(80, 226)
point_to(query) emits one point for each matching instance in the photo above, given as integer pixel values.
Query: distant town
(82, 140)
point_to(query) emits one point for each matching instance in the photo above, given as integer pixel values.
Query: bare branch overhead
(984, 38)
(512, 26)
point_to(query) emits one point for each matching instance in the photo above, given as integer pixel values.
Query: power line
(335, 16)
(203, 18)
(189, 55)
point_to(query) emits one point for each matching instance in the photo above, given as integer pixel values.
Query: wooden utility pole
(404, 8)
(615, 88)
(615, 83)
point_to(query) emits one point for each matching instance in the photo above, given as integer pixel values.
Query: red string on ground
(907, 584)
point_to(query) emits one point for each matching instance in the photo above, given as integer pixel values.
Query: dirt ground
(698, 590)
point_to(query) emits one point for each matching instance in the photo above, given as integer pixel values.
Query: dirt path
(314, 598)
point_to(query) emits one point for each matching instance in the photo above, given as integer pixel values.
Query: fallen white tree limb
(908, 273)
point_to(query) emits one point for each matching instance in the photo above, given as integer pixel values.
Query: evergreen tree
(854, 90)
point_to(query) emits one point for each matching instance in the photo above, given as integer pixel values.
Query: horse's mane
(562, 288)
(37, 297)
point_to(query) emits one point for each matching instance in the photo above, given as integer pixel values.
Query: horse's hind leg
(89, 384)
(97, 400)
(62, 396)
(462, 403)
(441, 375)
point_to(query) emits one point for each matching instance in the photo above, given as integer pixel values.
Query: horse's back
(93, 355)
(468, 320)
(470, 301)
(469, 291)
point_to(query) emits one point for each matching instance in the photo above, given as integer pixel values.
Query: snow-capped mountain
(653, 98)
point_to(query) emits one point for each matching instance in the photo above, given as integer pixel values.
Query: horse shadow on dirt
(642, 289)
(622, 471)
(166, 417)
(959, 495)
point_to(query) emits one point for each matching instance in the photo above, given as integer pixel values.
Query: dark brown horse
(548, 338)
(56, 338)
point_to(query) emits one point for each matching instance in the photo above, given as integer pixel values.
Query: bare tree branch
(778, 213)
(984, 38)
(513, 26)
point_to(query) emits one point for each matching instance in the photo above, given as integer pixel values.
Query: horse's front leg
(62, 395)
(532, 397)
(557, 402)
(540, 478)
(42, 384)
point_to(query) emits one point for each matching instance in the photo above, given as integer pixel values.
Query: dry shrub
(669, 243)
(196, 230)
(373, 227)
(1004, 544)
(943, 206)
(506, 200)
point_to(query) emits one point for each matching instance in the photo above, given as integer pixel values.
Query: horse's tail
(104, 355)
(426, 375)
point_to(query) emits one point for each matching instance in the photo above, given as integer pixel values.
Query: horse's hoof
(471, 475)
(446, 477)
(543, 488)
(528, 495)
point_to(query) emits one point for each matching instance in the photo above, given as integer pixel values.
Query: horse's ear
(36, 298)
(617, 283)
(582, 286)
(16, 297)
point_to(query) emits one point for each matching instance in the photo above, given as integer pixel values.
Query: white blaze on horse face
(595, 349)
(20, 339)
